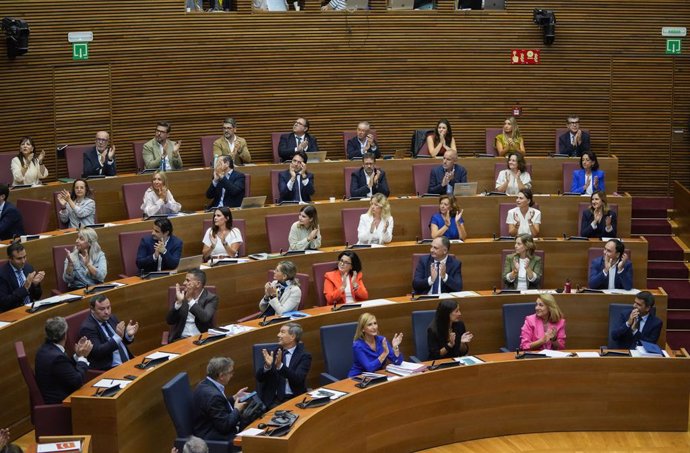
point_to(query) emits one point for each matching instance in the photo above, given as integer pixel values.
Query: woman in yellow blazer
(344, 285)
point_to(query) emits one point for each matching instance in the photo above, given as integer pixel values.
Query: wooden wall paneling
(400, 70)
(680, 140)
(641, 123)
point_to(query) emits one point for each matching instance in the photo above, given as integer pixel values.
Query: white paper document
(375, 302)
(232, 329)
(588, 354)
(320, 393)
(3, 324)
(251, 432)
(107, 383)
(468, 360)
(464, 294)
(70, 445)
(160, 354)
(557, 354)
(56, 300)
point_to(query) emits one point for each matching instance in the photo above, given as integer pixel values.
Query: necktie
(437, 282)
(297, 188)
(21, 280)
(119, 356)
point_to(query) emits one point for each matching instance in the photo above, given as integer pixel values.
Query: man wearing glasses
(100, 160)
(161, 153)
(298, 140)
(575, 141)
(232, 145)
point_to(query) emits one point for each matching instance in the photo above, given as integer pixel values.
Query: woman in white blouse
(522, 269)
(376, 225)
(524, 219)
(305, 233)
(515, 177)
(222, 239)
(27, 167)
(78, 206)
(158, 199)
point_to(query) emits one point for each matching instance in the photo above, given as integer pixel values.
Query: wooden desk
(387, 272)
(136, 420)
(189, 186)
(501, 397)
(481, 214)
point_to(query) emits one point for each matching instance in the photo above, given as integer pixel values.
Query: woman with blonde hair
(522, 269)
(283, 294)
(511, 138)
(545, 329)
(371, 350)
(158, 199)
(376, 225)
(85, 265)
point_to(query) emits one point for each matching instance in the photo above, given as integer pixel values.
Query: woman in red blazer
(345, 285)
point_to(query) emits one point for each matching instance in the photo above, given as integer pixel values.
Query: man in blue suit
(298, 140)
(438, 272)
(575, 141)
(639, 323)
(284, 371)
(296, 183)
(109, 336)
(215, 416)
(368, 180)
(57, 374)
(362, 143)
(161, 251)
(227, 185)
(443, 178)
(613, 270)
(19, 283)
(11, 224)
(100, 160)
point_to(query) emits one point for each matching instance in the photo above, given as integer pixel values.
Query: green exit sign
(80, 51)
(673, 47)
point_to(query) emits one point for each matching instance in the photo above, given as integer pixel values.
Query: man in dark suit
(284, 371)
(362, 143)
(639, 323)
(575, 141)
(613, 270)
(11, 224)
(298, 140)
(100, 160)
(227, 185)
(191, 300)
(438, 272)
(296, 183)
(161, 251)
(109, 336)
(443, 178)
(19, 283)
(368, 180)
(58, 375)
(214, 416)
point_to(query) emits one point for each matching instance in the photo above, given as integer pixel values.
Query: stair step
(678, 338)
(667, 270)
(678, 292)
(664, 248)
(678, 319)
(651, 226)
(651, 207)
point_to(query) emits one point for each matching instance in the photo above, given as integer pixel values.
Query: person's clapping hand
(466, 337)
(83, 347)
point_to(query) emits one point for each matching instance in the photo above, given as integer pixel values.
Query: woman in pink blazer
(545, 329)
(344, 285)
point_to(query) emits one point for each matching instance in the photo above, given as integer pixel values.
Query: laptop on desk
(465, 189)
(316, 156)
(357, 4)
(190, 262)
(253, 202)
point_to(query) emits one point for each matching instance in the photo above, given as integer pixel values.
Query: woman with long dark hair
(28, 167)
(441, 140)
(222, 239)
(446, 335)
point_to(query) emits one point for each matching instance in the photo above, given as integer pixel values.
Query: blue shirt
(452, 231)
(366, 359)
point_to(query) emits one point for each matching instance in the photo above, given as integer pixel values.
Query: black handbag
(254, 410)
